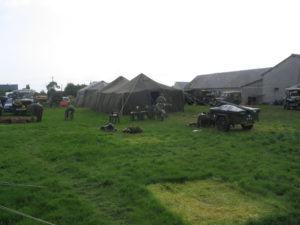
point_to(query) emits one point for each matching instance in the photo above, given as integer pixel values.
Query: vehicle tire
(223, 124)
(247, 127)
(203, 122)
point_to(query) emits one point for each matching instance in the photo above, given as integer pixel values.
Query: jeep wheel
(222, 124)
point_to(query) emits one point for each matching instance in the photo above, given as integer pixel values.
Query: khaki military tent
(80, 96)
(91, 94)
(104, 96)
(86, 97)
(140, 91)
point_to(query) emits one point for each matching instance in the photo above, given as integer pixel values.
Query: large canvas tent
(140, 91)
(86, 96)
(104, 96)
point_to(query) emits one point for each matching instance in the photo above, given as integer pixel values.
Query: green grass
(93, 177)
(208, 202)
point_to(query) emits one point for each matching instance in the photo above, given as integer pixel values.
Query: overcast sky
(80, 41)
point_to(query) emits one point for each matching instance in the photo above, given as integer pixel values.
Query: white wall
(279, 78)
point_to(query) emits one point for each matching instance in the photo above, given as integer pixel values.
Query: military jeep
(227, 115)
(21, 100)
(292, 98)
(2, 102)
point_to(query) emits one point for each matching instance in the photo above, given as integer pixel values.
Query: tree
(72, 89)
(54, 97)
(27, 86)
(52, 85)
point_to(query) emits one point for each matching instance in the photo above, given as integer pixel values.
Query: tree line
(55, 94)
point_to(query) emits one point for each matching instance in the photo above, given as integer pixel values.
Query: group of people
(151, 111)
(36, 109)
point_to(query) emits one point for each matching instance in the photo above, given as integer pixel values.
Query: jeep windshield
(9, 101)
(23, 94)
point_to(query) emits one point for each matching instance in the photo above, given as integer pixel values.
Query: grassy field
(165, 175)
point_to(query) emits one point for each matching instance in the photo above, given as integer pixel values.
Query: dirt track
(15, 119)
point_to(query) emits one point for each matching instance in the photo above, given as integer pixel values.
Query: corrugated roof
(277, 65)
(235, 79)
(180, 85)
(8, 87)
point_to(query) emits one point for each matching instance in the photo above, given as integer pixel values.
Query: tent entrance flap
(154, 95)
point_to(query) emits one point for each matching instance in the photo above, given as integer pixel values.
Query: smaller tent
(91, 94)
(85, 95)
(125, 96)
(80, 96)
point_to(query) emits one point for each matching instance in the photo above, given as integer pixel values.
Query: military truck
(228, 115)
(41, 98)
(234, 97)
(200, 97)
(292, 98)
(21, 100)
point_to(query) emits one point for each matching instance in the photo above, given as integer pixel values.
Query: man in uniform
(36, 109)
(160, 107)
(70, 109)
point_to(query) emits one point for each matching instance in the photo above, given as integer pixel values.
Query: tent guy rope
(25, 215)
